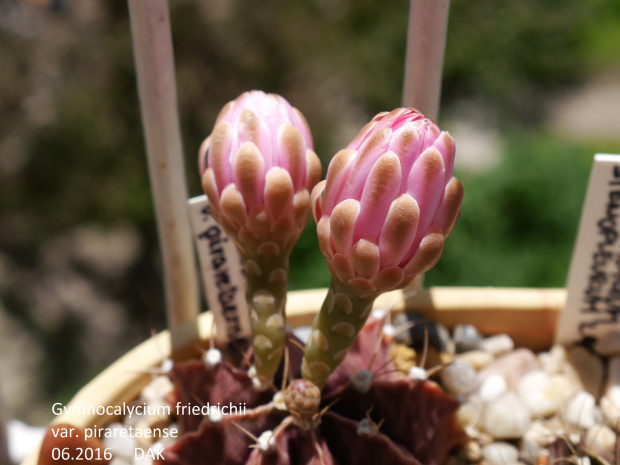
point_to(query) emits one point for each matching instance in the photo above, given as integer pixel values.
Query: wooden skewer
(152, 39)
(426, 43)
(4, 447)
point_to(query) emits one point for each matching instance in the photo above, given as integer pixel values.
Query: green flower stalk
(258, 169)
(388, 203)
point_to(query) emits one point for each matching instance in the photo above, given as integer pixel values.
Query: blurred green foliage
(512, 55)
(518, 222)
(72, 153)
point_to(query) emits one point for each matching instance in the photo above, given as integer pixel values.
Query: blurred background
(531, 91)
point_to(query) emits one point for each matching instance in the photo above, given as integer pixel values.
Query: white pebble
(512, 366)
(468, 414)
(539, 434)
(498, 345)
(537, 392)
(500, 453)
(492, 388)
(553, 361)
(466, 338)
(459, 378)
(600, 441)
(610, 405)
(303, 333)
(563, 387)
(120, 442)
(609, 344)
(473, 451)
(506, 417)
(159, 446)
(144, 458)
(530, 451)
(22, 439)
(580, 411)
(157, 390)
(477, 358)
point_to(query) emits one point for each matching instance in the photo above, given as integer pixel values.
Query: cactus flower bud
(389, 201)
(258, 168)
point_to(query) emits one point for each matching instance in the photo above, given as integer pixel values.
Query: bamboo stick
(152, 39)
(4, 446)
(426, 43)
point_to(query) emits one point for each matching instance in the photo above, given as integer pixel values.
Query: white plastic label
(222, 274)
(593, 291)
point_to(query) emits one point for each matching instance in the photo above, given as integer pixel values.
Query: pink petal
(342, 225)
(336, 176)
(426, 184)
(219, 158)
(427, 254)
(292, 151)
(446, 147)
(209, 186)
(323, 233)
(399, 230)
(279, 192)
(406, 143)
(356, 143)
(250, 174)
(450, 206)
(316, 201)
(381, 186)
(368, 154)
(233, 206)
(251, 128)
(365, 258)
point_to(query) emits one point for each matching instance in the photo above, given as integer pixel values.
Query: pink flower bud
(388, 202)
(258, 168)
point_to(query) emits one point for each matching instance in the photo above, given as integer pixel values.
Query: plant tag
(593, 292)
(222, 273)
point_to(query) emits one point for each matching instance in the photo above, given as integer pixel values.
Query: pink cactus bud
(388, 202)
(258, 168)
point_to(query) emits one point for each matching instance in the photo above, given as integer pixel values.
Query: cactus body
(418, 428)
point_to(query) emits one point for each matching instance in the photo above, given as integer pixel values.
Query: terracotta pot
(527, 315)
